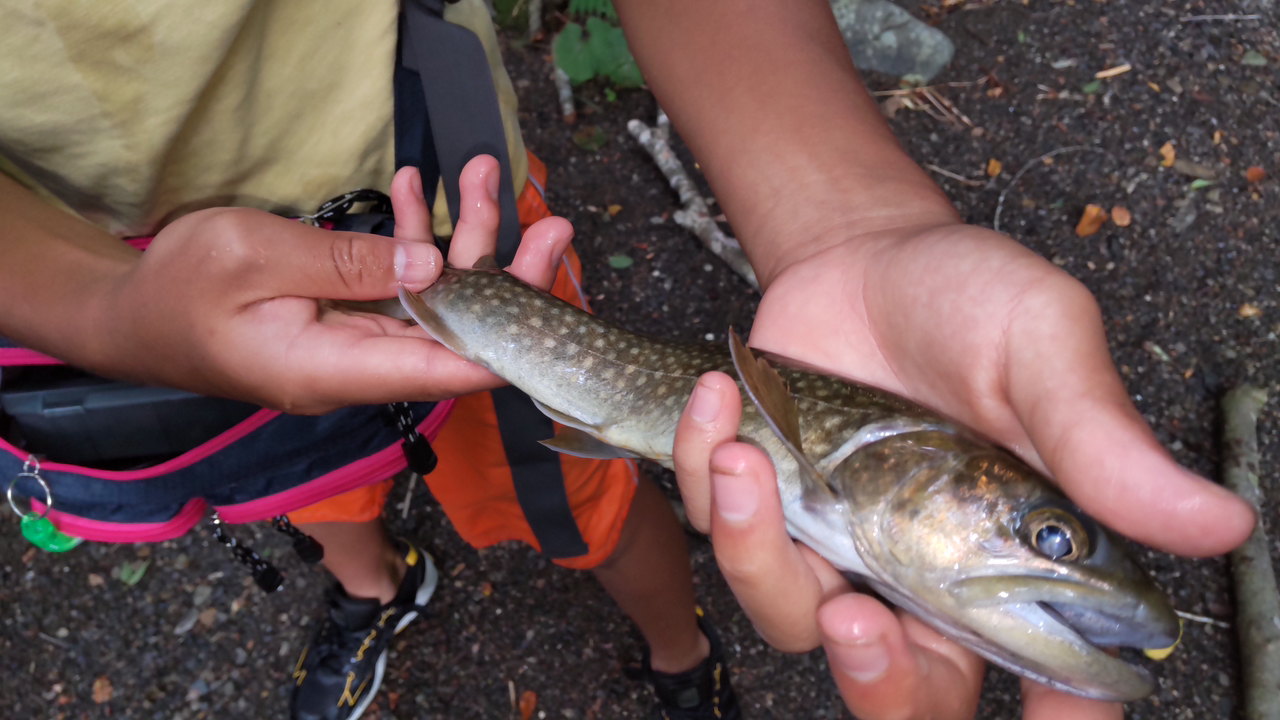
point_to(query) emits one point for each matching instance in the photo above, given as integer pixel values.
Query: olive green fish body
(938, 520)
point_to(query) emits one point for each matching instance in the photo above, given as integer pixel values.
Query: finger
(887, 668)
(476, 232)
(710, 419)
(413, 217)
(538, 258)
(1082, 423)
(772, 580)
(264, 256)
(1043, 703)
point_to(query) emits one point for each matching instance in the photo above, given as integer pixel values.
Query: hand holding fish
(974, 325)
(226, 302)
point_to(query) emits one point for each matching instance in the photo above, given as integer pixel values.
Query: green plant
(602, 8)
(597, 51)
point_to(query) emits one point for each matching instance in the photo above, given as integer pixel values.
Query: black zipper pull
(418, 452)
(309, 550)
(265, 575)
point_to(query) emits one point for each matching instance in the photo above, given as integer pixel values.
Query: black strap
(462, 106)
(465, 121)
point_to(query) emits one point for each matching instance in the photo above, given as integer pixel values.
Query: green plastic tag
(39, 531)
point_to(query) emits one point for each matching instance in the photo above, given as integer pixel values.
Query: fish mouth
(1062, 631)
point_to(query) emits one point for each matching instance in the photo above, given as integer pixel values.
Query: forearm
(767, 98)
(55, 271)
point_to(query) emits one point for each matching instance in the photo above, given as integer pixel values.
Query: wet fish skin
(932, 516)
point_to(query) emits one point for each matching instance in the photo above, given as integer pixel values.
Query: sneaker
(700, 693)
(339, 672)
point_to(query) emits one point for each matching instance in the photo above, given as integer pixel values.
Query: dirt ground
(1189, 291)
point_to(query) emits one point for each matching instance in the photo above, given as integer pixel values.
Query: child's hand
(228, 302)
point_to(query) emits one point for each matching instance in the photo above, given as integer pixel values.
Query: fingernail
(865, 662)
(705, 404)
(416, 263)
(735, 496)
(491, 182)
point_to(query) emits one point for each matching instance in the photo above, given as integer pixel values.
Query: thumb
(304, 261)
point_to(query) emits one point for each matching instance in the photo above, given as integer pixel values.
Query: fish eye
(1056, 534)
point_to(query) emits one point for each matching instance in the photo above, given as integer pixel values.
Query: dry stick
(535, 19)
(958, 178)
(414, 479)
(1257, 600)
(1220, 18)
(995, 222)
(694, 217)
(565, 91)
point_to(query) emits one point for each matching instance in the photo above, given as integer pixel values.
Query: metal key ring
(48, 494)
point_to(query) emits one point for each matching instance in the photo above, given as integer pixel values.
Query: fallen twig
(1220, 18)
(910, 91)
(414, 479)
(1203, 619)
(565, 90)
(958, 178)
(535, 19)
(695, 216)
(995, 222)
(1257, 600)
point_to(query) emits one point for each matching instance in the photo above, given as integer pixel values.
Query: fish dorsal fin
(769, 393)
(486, 262)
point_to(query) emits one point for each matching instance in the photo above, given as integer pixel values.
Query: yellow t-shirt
(133, 113)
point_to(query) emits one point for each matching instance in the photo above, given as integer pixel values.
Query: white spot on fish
(598, 343)
(535, 321)
(549, 343)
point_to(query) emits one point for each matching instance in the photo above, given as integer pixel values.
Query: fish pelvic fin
(486, 262)
(572, 441)
(769, 393)
(429, 320)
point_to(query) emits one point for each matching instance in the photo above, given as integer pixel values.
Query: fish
(929, 514)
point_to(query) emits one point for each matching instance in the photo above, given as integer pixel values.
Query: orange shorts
(473, 483)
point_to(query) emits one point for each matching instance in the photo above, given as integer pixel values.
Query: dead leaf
(96, 580)
(1255, 174)
(208, 616)
(1121, 216)
(486, 588)
(29, 555)
(1091, 221)
(1249, 310)
(1167, 154)
(890, 107)
(1217, 137)
(1153, 86)
(994, 167)
(1195, 170)
(102, 690)
(393, 699)
(528, 703)
(614, 210)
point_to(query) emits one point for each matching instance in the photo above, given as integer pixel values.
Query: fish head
(989, 552)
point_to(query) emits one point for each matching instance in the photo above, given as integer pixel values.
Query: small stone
(197, 690)
(181, 562)
(241, 656)
(201, 595)
(62, 632)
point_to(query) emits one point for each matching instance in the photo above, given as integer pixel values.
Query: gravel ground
(1189, 291)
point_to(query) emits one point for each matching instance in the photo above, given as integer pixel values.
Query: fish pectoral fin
(562, 418)
(572, 441)
(429, 320)
(486, 262)
(769, 393)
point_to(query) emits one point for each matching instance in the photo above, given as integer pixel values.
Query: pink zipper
(376, 467)
(106, 531)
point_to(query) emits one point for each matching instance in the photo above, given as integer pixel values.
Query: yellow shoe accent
(411, 558)
(346, 692)
(298, 673)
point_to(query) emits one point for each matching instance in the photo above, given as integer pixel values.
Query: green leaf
(1255, 58)
(608, 48)
(590, 138)
(610, 95)
(1022, 37)
(620, 262)
(573, 55)
(132, 572)
(593, 7)
(1200, 183)
(1091, 87)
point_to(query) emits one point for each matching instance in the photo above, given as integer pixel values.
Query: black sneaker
(700, 693)
(340, 671)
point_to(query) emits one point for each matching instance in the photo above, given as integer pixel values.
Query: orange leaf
(1121, 216)
(614, 210)
(1091, 221)
(528, 703)
(1249, 310)
(102, 690)
(1255, 174)
(994, 167)
(1168, 155)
